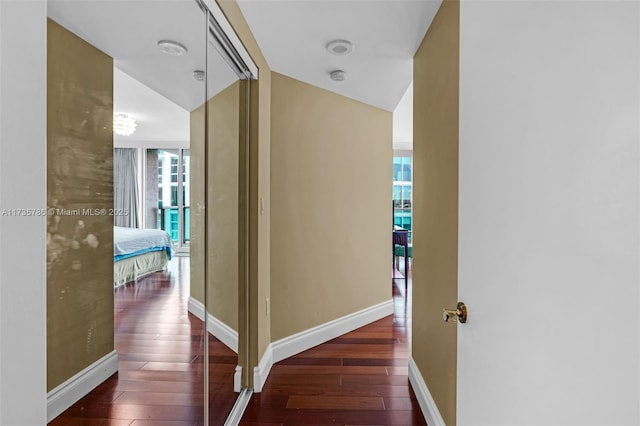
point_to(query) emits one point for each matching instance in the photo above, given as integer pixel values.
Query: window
(174, 169)
(402, 191)
(171, 209)
(174, 196)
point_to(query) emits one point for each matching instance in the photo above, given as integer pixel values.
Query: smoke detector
(338, 75)
(172, 48)
(199, 75)
(340, 47)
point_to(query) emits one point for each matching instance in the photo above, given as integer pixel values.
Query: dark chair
(401, 241)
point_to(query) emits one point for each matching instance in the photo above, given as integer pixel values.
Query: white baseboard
(425, 400)
(72, 390)
(299, 342)
(261, 372)
(217, 328)
(237, 379)
(196, 308)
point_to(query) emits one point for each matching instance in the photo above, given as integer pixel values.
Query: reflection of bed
(138, 252)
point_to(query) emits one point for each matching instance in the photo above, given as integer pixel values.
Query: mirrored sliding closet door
(224, 174)
(143, 186)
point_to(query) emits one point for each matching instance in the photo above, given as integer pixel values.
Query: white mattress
(129, 242)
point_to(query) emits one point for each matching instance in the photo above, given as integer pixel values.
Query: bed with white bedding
(138, 252)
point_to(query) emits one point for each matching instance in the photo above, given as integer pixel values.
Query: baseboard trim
(425, 400)
(237, 379)
(196, 308)
(217, 328)
(299, 342)
(72, 390)
(261, 372)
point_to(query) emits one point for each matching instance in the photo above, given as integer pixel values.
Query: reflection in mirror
(223, 127)
(104, 59)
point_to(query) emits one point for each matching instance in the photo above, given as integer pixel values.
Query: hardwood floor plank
(142, 412)
(398, 371)
(386, 362)
(158, 357)
(320, 369)
(301, 360)
(62, 421)
(348, 379)
(335, 402)
(161, 398)
(159, 386)
(168, 366)
(335, 417)
(295, 379)
(398, 403)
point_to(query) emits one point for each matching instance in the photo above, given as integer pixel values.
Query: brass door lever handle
(460, 313)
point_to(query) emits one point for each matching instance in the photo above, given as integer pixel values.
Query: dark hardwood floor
(360, 378)
(160, 348)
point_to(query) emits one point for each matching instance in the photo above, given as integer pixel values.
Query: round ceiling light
(338, 75)
(199, 75)
(340, 47)
(124, 124)
(171, 47)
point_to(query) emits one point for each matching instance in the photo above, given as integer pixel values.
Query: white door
(548, 213)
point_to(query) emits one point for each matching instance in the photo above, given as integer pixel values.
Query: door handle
(460, 313)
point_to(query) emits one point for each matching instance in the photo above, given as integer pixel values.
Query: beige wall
(196, 180)
(331, 186)
(79, 176)
(224, 120)
(435, 197)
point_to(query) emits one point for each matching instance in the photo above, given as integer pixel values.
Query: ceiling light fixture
(340, 47)
(123, 124)
(199, 75)
(171, 47)
(338, 75)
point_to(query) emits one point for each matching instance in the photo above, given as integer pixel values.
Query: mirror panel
(170, 327)
(104, 58)
(223, 116)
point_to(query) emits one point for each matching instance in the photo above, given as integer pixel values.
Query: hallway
(359, 378)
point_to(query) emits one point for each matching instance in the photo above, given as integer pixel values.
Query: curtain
(125, 187)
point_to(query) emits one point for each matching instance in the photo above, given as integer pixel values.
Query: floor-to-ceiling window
(402, 191)
(170, 168)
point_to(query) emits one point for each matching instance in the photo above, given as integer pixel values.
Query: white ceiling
(161, 123)
(156, 89)
(129, 31)
(293, 34)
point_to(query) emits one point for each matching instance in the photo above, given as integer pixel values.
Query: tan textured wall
(259, 171)
(224, 111)
(435, 198)
(196, 180)
(331, 212)
(79, 176)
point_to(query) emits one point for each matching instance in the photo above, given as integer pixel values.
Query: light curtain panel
(125, 172)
